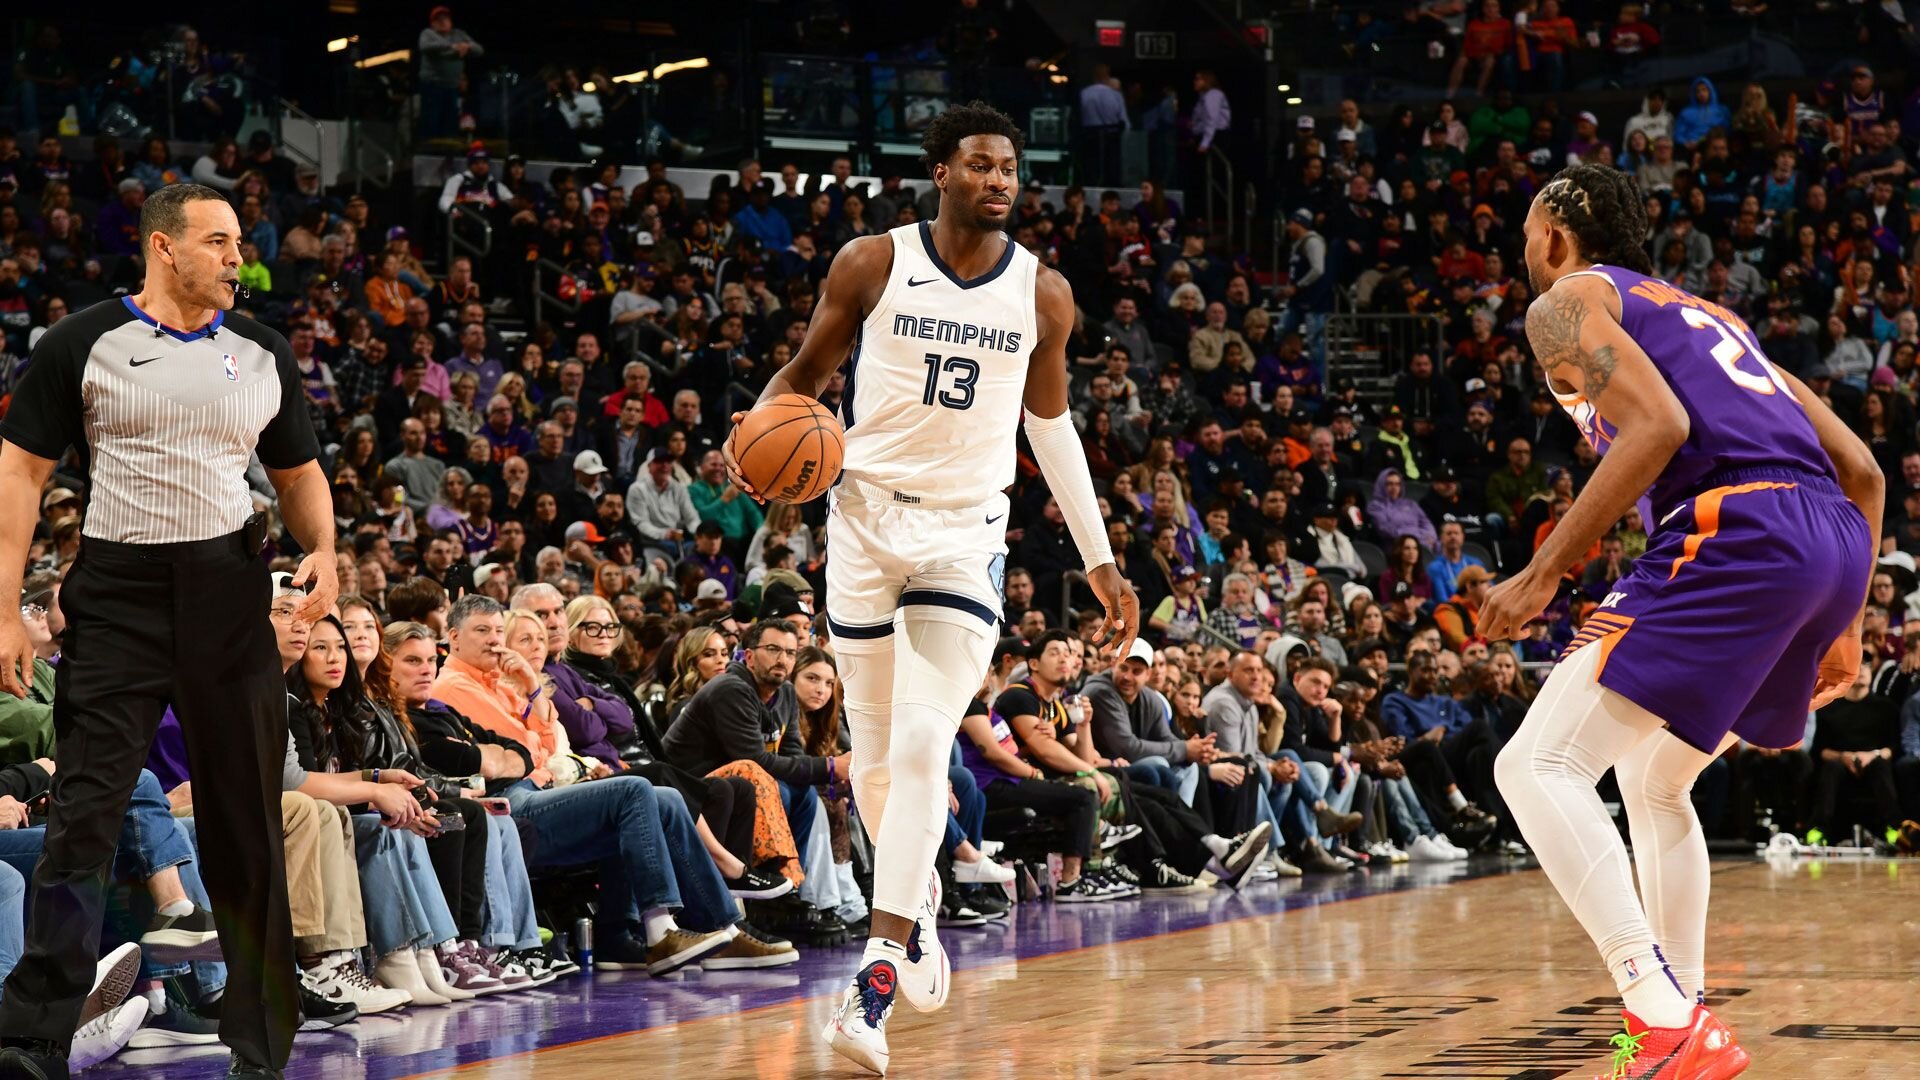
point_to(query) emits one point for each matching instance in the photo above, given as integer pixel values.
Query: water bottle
(583, 942)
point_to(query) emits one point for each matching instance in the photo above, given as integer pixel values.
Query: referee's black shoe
(37, 1059)
(239, 1066)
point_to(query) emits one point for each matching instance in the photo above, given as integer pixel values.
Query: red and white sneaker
(1703, 1050)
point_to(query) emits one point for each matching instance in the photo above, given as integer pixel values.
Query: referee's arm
(22, 475)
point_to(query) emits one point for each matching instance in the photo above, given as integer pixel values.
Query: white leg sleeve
(866, 679)
(1670, 849)
(938, 665)
(1575, 731)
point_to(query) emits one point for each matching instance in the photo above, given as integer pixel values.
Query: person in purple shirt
(473, 358)
(1744, 612)
(117, 228)
(707, 555)
(504, 433)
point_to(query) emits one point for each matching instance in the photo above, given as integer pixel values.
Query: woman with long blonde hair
(784, 519)
(584, 675)
(699, 659)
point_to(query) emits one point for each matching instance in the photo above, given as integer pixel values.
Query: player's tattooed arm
(1575, 331)
(1556, 327)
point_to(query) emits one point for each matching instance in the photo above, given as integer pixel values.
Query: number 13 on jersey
(959, 394)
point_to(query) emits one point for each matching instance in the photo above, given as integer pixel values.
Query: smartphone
(497, 807)
(450, 823)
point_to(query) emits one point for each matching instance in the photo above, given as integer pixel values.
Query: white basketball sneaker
(858, 1030)
(927, 974)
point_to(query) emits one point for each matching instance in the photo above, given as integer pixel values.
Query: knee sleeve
(866, 679)
(938, 665)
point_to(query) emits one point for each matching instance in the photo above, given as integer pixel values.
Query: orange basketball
(790, 448)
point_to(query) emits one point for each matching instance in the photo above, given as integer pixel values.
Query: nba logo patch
(232, 363)
(1633, 972)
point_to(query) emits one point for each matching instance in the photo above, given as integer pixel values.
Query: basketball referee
(166, 396)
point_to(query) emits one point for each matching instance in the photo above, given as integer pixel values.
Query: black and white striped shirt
(166, 420)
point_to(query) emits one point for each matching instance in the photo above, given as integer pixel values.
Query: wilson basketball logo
(793, 491)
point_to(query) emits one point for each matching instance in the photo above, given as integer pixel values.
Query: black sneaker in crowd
(954, 913)
(560, 961)
(1080, 890)
(1475, 821)
(178, 1023)
(181, 939)
(624, 953)
(758, 884)
(1165, 879)
(320, 1014)
(536, 963)
(1110, 878)
(990, 901)
(818, 927)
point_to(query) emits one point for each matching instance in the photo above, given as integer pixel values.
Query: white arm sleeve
(1056, 446)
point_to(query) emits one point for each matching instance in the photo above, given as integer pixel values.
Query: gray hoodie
(1655, 124)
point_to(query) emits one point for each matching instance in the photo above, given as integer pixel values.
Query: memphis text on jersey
(927, 328)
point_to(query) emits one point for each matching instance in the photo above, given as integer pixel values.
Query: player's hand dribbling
(1123, 609)
(1512, 602)
(733, 467)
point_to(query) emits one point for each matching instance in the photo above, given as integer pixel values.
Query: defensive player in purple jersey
(1745, 608)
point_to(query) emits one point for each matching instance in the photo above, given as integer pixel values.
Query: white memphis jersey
(938, 374)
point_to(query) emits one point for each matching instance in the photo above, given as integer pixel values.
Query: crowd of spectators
(570, 627)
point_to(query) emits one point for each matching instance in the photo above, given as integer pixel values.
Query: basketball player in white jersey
(948, 331)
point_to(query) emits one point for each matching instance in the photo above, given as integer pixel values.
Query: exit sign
(1153, 45)
(1111, 33)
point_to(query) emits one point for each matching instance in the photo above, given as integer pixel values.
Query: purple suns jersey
(1742, 413)
(1755, 561)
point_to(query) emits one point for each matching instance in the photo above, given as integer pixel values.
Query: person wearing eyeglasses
(749, 713)
(625, 823)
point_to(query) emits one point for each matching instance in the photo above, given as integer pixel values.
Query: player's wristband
(1063, 461)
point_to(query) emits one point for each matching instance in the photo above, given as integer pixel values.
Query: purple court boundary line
(1296, 900)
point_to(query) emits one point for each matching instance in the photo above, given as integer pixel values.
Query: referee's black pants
(149, 625)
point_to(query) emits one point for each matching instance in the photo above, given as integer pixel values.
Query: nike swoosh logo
(912, 284)
(131, 362)
(1662, 1063)
(995, 518)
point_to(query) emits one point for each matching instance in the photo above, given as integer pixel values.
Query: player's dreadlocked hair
(1604, 210)
(959, 121)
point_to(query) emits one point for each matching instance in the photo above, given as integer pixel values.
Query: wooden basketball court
(1419, 972)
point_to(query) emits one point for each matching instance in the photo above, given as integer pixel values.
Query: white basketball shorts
(888, 554)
